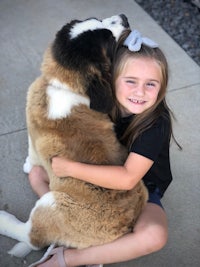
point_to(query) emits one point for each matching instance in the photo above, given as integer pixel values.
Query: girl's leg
(150, 235)
(39, 180)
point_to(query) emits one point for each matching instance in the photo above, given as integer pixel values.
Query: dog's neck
(62, 100)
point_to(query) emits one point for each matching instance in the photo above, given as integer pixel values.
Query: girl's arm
(112, 177)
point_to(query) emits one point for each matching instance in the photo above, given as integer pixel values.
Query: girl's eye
(131, 81)
(151, 84)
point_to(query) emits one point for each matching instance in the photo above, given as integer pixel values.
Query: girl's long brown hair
(145, 120)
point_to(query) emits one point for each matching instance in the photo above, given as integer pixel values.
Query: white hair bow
(135, 40)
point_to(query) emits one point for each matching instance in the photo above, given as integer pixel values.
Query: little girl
(143, 125)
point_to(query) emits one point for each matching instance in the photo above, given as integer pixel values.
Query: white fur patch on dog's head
(115, 24)
(84, 26)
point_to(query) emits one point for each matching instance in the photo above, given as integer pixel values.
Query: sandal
(60, 256)
(50, 252)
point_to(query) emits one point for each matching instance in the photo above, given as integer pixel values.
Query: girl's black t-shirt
(153, 144)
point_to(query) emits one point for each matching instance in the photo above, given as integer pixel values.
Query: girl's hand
(61, 166)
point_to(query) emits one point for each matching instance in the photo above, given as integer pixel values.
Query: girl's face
(138, 85)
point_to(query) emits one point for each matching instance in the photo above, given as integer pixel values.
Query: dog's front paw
(27, 166)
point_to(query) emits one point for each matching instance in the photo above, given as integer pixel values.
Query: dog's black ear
(101, 97)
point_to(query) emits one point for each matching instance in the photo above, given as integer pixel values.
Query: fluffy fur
(67, 110)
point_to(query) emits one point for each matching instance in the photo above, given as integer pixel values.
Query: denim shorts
(155, 197)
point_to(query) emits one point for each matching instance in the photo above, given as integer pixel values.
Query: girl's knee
(158, 236)
(152, 228)
(39, 180)
(37, 175)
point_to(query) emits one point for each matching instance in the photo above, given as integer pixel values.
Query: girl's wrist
(70, 168)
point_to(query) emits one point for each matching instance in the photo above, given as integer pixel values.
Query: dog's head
(86, 48)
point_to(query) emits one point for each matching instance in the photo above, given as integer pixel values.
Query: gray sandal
(60, 256)
(50, 252)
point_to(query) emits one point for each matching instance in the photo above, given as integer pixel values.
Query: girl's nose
(140, 90)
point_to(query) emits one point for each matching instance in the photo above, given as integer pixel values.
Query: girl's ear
(101, 98)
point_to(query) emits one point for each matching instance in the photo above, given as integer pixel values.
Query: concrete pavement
(26, 28)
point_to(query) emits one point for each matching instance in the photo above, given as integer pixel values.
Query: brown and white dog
(67, 110)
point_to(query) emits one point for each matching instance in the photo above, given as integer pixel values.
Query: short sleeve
(149, 144)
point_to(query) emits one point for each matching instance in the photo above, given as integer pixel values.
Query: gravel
(180, 19)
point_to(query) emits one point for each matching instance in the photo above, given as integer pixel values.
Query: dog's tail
(10, 226)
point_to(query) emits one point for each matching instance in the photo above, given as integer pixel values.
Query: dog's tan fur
(84, 214)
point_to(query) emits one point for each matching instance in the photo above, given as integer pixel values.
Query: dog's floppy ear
(100, 94)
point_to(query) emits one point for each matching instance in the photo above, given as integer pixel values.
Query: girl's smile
(138, 85)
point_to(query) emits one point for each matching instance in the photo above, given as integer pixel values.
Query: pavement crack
(13, 132)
